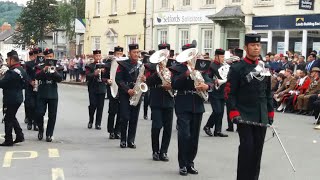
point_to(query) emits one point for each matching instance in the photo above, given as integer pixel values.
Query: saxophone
(139, 88)
(161, 57)
(190, 56)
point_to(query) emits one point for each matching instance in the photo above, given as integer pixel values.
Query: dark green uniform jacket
(48, 88)
(13, 82)
(251, 100)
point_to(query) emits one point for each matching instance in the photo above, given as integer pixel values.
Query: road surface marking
(57, 174)
(53, 153)
(9, 156)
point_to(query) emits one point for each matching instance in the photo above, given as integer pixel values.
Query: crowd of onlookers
(75, 67)
(295, 83)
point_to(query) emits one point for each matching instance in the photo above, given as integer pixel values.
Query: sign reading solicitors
(183, 17)
(286, 22)
(306, 4)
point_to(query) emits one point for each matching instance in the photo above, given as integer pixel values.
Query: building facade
(180, 22)
(110, 23)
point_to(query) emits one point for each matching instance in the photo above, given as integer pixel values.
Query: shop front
(296, 33)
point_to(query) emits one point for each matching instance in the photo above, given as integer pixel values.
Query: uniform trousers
(11, 122)
(129, 119)
(96, 105)
(42, 105)
(161, 118)
(216, 116)
(113, 111)
(188, 137)
(250, 151)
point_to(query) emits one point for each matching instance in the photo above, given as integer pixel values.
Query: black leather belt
(186, 92)
(45, 82)
(156, 86)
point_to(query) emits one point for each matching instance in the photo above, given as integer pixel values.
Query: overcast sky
(24, 2)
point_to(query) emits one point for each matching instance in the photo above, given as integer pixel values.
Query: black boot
(91, 117)
(207, 131)
(19, 138)
(7, 143)
(40, 133)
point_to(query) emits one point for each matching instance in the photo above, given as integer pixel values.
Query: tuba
(161, 57)
(224, 70)
(190, 56)
(139, 88)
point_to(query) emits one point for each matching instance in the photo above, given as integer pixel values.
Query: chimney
(5, 26)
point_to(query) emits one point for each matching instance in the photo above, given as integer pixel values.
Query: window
(114, 6)
(111, 42)
(95, 42)
(132, 40)
(207, 41)
(233, 39)
(98, 7)
(208, 2)
(183, 37)
(133, 5)
(162, 36)
(292, 2)
(186, 3)
(164, 4)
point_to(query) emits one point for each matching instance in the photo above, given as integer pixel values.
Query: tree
(9, 12)
(36, 20)
(68, 12)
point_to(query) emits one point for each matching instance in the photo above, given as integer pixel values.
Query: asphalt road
(78, 153)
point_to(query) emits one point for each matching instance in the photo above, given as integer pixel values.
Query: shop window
(278, 42)
(207, 41)
(162, 36)
(295, 41)
(313, 41)
(95, 42)
(183, 37)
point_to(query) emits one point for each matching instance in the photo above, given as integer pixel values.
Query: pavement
(78, 153)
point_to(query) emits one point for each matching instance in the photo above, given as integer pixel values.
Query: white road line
(53, 153)
(57, 174)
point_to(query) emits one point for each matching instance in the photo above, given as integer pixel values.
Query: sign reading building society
(183, 17)
(286, 22)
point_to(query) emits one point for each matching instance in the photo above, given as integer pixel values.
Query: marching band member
(189, 109)
(126, 78)
(96, 78)
(251, 101)
(31, 91)
(162, 104)
(114, 127)
(216, 96)
(47, 94)
(12, 83)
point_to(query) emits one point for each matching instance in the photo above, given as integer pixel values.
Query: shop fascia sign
(183, 17)
(286, 22)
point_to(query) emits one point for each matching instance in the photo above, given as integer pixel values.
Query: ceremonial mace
(275, 132)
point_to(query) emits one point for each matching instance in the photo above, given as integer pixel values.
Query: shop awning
(228, 13)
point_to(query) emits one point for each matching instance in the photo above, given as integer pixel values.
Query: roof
(6, 34)
(232, 12)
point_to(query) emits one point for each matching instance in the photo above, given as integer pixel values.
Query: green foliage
(35, 21)
(9, 12)
(68, 12)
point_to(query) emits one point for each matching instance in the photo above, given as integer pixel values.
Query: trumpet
(190, 56)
